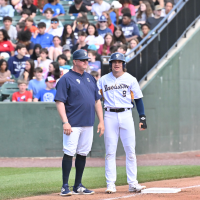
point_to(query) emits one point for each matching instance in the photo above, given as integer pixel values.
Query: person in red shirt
(5, 44)
(29, 25)
(22, 94)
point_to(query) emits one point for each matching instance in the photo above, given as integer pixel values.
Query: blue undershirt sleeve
(140, 106)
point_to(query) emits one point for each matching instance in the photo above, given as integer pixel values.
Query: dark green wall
(172, 106)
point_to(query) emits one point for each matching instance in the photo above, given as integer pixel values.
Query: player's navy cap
(117, 56)
(102, 18)
(80, 55)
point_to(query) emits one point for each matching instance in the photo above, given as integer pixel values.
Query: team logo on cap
(78, 81)
(117, 55)
(88, 79)
(85, 53)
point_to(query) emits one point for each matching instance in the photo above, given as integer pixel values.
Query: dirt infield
(186, 158)
(186, 193)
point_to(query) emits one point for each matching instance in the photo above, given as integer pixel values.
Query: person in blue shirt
(6, 10)
(37, 84)
(17, 63)
(62, 60)
(44, 39)
(56, 7)
(77, 99)
(129, 28)
(48, 94)
(103, 29)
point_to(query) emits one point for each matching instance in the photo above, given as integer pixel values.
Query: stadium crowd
(37, 53)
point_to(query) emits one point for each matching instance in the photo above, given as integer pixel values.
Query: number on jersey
(124, 93)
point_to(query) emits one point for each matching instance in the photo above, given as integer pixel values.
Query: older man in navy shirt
(77, 99)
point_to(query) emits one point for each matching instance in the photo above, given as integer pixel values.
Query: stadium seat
(7, 89)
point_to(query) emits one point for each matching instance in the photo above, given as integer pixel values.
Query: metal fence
(162, 38)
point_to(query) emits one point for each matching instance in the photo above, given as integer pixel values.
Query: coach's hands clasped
(100, 128)
(67, 129)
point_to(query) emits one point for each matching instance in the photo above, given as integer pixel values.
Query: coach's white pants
(79, 141)
(120, 124)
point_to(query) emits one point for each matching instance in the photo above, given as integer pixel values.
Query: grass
(23, 182)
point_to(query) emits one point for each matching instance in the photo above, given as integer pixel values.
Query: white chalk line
(133, 195)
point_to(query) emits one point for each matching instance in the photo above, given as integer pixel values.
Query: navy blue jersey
(78, 93)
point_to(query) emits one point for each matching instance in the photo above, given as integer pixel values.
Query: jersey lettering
(115, 87)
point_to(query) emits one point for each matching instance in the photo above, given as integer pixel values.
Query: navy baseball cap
(102, 18)
(80, 55)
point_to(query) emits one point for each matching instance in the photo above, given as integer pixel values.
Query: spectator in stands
(5, 9)
(144, 11)
(133, 43)
(68, 36)
(159, 2)
(20, 26)
(28, 4)
(48, 13)
(43, 61)
(93, 64)
(37, 84)
(127, 4)
(150, 2)
(122, 49)
(129, 28)
(40, 37)
(48, 94)
(24, 37)
(94, 48)
(77, 7)
(29, 25)
(109, 22)
(28, 73)
(168, 7)
(93, 36)
(22, 94)
(114, 12)
(95, 74)
(79, 26)
(54, 70)
(5, 44)
(56, 7)
(17, 4)
(82, 14)
(99, 6)
(118, 35)
(104, 49)
(64, 67)
(154, 21)
(145, 30)
(36, 52)
(103, 29)
(5, 75)
(16, 64)
(56, 49)
(67, 52)
(54, 28)
(88, 4)
(113, 49)
(11, 30)
(25, 14)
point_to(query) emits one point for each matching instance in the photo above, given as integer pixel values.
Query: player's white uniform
(117, 93)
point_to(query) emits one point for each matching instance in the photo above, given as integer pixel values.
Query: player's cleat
(82, 190)
(136, 188)
(65, 190)
(111, 189)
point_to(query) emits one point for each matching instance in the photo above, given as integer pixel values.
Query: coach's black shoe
(65, 190)
(81, 190)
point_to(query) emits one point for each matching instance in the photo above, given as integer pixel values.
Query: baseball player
(77, 99)
(118, 88)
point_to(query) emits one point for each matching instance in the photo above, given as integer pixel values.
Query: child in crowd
(93, 64)
(122, 49)
(25, 14)
(56, 50)
(80, 26)
(62, 60)
(43, 62)
(22, 95)
(29, 25)
(133, 43)
(54, 28)
(54, 71)
(6, 10)
(95, 74)
(37, 84)
(67, 53)
(48, 13)
(77, 7)
(104, 49)
(48, 94)
(28, 4)
(99, 6)
(36, 52)
(103, 29)
(118, 36)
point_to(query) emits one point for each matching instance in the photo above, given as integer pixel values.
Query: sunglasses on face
(85, 60)
(79, 23)
(54, 22)
(102, 22)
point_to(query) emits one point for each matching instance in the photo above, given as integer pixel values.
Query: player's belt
(117, 110)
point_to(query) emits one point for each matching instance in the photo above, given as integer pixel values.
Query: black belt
(117, 110)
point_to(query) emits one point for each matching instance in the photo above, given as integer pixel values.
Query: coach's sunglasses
(84, 60)
(54, 22)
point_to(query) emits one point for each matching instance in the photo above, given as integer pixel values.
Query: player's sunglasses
(54, 22)
(84, 60)
(102, 22)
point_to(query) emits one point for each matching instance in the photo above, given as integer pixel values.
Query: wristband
(65, 123)
(143, 121)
